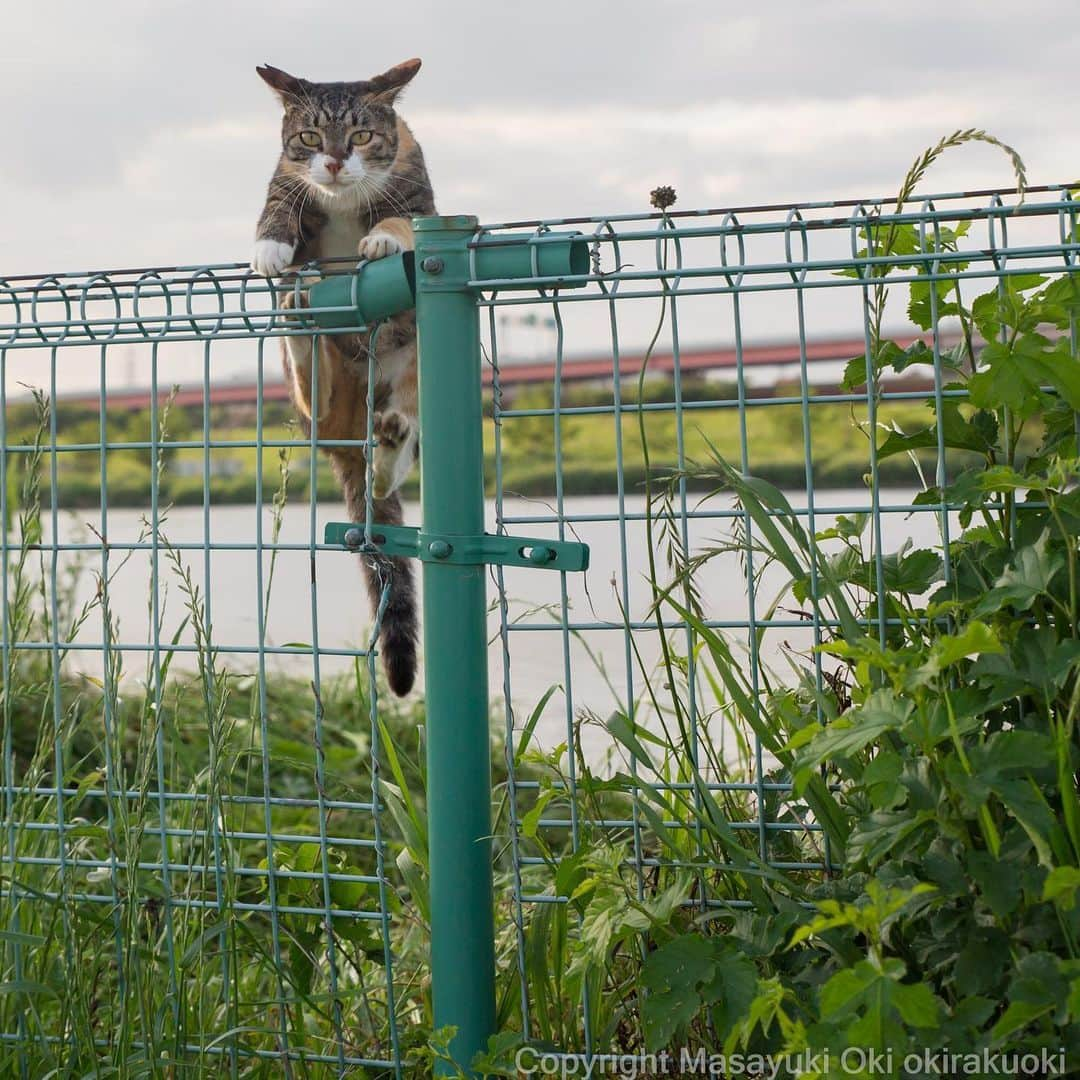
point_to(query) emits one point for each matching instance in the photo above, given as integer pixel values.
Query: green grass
(838, 433)
(839, 444)
(112, 965)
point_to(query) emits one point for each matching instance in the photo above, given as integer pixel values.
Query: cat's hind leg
(299, 356)
(395, 427)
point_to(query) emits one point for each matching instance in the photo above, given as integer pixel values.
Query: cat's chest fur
(340, 235)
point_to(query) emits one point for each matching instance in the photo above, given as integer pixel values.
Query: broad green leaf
(675, 976)
(1012, 753)
(1000, 890)
(1004, 378)
(571, 871)
(1061, 885)
(1029, 575)
(1041, 978)
(944, 869)
(883, 711)
(348, 895)
(1057, 367)
(917, 1004)
(854, 373)
(843, 991)
(1064, 292)
(879, 834)
(985, 311)
(1018, 1015)
(923, 294)
(881, 779)
(530, 821)
(847, 527)
(1028, 805)
(732, 991)
(913, 572)
(983, 961)
(953, 713)
(974, 639)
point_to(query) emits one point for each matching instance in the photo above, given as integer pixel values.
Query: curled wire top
(748, 249)
(762, 248)
(226, 300)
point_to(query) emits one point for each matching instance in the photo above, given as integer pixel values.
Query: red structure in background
(583, 369)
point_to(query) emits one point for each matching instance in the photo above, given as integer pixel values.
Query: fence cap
(440, 223)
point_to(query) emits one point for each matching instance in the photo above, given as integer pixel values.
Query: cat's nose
(334, 167)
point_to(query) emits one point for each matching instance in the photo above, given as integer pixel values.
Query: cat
(349, 179)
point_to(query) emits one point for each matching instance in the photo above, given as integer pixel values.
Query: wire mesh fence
(194, 863)
(208, 833)
(712, 590)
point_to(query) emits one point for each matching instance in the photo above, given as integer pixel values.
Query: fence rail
(238, 862)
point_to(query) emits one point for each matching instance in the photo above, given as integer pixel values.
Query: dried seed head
(662, 197)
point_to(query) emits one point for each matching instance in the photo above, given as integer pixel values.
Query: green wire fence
(209, 848)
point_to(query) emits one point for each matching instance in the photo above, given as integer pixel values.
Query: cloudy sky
(139, 134)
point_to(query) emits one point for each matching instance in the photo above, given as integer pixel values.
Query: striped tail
(399, 630)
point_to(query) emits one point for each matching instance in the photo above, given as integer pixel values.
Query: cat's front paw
(292, 300)
(271, 257)
(377, 245)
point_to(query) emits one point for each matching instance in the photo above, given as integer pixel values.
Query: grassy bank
(775, 437)
(162, 917)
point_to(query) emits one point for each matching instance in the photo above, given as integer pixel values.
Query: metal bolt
(432, 264)
(353, 538)
(439, 549)
(541, 555)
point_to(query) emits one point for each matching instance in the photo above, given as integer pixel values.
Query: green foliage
(933, 735)
(183, 972)
(528, 447)
(954, 738)
(690, 976)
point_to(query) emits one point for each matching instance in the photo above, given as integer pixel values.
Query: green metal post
(455, 639)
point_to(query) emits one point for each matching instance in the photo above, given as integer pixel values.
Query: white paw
(271, 257)
(394, 453)
(377, 245)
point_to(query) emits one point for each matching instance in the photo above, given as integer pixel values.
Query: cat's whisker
(417, 178)
(396, 203)
(295, 198)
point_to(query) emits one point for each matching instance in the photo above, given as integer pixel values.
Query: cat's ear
(389, 84)
(287, 87)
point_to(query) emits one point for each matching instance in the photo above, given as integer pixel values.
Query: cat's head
(340, 138)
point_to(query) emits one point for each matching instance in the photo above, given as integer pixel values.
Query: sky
(139, 134)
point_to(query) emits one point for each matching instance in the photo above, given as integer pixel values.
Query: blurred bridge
(597, 368)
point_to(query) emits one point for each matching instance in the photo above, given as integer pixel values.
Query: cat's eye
(310, 138)
(360, 138)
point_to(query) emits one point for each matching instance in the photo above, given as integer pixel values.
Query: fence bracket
(485, 549)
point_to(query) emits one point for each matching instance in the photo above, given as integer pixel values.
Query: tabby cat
(349, 179)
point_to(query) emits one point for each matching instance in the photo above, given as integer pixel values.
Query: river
(607, 667)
